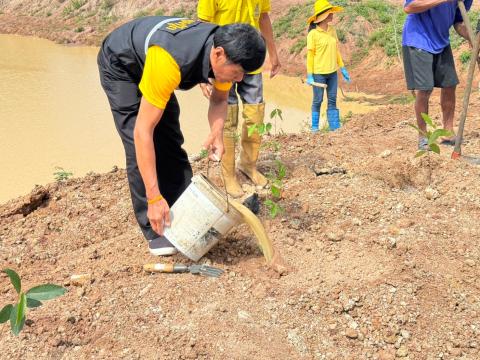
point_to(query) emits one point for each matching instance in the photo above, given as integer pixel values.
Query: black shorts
(424, 70)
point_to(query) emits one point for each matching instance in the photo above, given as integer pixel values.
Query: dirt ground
(385, 261)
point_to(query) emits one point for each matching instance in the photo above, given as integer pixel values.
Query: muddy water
(54, 113)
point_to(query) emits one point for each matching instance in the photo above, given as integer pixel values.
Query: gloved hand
(310, 79)
(345, 74)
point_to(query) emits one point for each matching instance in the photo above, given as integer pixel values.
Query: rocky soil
(385, 261)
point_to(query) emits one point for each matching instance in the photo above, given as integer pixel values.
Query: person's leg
(419, 74)
(332, 87)
(447, 101)
(251, 93)
(445, 77)
(317, 101)
(229, 139)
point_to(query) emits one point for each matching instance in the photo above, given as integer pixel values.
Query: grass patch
(298, 46)
(183, 13)
(141, 13)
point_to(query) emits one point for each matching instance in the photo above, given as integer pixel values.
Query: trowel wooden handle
(317, 84)
(165, 268)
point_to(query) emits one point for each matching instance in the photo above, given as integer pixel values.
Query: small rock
(81, 291)
(405, 334)
(431, 193)
(351, 333)
(391, 339)
(402, 351)
(385, 154)
(470, 262)
(243, 315)
(80, 279)
(456, 352)
(335, 236)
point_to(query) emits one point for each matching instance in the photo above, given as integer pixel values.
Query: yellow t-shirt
(224, 12)
(161, 76)
(323, 53)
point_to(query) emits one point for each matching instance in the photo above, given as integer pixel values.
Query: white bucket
(199, 217)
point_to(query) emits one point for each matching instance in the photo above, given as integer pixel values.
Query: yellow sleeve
(206, 10)
(161, 76)
(310, 52)
(339, 56)
(222, 86)
(266, 7)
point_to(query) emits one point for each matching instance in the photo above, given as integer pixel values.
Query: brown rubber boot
(228, 159)
(252, 114)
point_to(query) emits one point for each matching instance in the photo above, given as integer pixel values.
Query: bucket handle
(223, 180)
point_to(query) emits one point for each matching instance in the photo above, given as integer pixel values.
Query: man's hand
(206, 90)
(214, 146)
(159, 215)
(275, 66)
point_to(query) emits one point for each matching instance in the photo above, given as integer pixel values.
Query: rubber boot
(228, 158)
(315, 121)
(333, 116)
(252, 114)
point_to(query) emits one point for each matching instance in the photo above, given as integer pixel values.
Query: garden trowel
(197, 269)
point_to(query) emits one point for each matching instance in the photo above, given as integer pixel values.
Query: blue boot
(315, 121)
(333, 116)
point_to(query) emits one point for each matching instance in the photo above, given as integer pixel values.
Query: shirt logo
(179, 25)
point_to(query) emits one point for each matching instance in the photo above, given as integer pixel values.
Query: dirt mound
(383, 249)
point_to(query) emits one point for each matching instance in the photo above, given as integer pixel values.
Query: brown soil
(385, 261)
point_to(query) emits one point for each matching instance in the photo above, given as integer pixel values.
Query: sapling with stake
(33, 298)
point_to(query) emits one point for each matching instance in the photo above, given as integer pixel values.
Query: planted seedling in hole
(433, 133)
(16, 313)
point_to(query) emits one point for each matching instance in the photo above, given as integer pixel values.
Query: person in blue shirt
(427, 57)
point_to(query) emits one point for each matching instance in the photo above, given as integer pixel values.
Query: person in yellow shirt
(141, 64)
(250, 89)
(323, 61)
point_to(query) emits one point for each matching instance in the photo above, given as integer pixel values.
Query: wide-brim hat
(323, 8)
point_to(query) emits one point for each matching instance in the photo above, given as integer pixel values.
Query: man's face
(224, 70)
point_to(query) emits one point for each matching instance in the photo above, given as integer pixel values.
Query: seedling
(16, 313)
(433, 133)
(61, 174)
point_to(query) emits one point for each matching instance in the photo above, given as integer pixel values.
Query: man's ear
(219, 54)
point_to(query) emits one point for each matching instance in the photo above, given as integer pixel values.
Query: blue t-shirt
(430, 30)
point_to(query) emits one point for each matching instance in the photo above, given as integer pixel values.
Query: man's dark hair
(243, 45)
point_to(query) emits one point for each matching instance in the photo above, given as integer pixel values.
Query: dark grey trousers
(250, 90)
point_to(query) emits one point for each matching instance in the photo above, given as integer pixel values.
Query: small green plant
(61, 174)
(80, 29)
(276, 187)
(465, 57)
(16, 313)
(49, 14)
(433, 133)
(107, 5)
(159, 12)
(346, 118)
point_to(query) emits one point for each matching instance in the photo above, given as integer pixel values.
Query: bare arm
(461, 30)
(419, 6)
(217, 112)
(148, 118)
(267, 32)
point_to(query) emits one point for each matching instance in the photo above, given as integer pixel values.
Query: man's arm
(419, 6)
(267, 32)
(217, 112)
(461, 30)
(148, 118)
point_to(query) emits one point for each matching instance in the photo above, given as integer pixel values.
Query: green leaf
(282, 170)
(437, 133)
(420, 153)
(428, 120)
(203, 153)
(15, 279)
(32, 303)
(17, 317)
(435, 148)
(261, 129)
(273, 113)
(421, 132)
(5, 313)
(276, 192)
(279, 113)
(251, 129)
(268, 127)
(46, 292)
